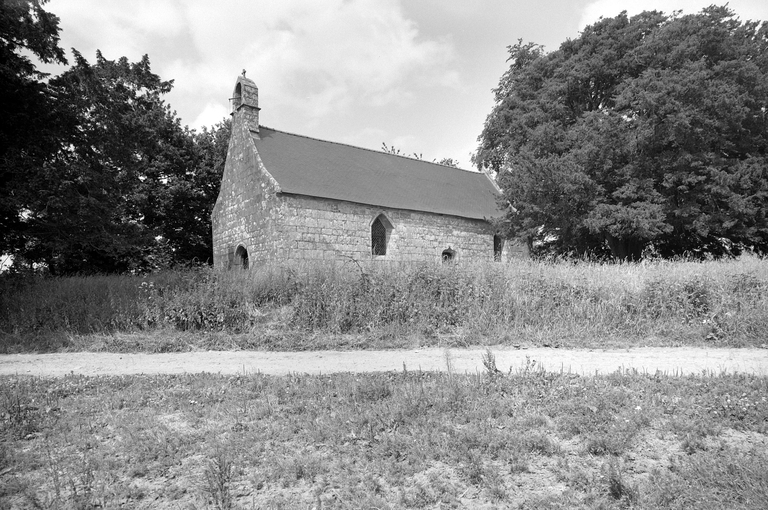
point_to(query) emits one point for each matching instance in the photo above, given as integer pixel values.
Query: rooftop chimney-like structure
(245, 102)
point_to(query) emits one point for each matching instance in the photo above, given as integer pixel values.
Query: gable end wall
(245, 209)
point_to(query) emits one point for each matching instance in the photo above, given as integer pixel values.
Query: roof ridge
(371, 150)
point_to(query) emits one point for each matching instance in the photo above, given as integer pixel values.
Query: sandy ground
(651, 359)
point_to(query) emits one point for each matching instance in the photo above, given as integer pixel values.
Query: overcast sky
(415, 74)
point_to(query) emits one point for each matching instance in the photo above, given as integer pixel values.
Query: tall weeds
(721, 303)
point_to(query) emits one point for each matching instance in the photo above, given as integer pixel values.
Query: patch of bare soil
(669, 361)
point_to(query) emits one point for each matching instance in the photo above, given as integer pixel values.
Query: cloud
(308, 58)
(329, 55)
(117, 29)
(370, 137)
(744, 9)
(212, 114)
(405, 143)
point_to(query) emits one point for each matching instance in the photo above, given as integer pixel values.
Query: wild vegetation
(520, 439)
(347, 305)
(649, 131)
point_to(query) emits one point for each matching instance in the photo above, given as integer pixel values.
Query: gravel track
(672, 361)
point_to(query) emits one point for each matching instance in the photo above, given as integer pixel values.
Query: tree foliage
(643, 132)
(101, 177)
(29, 123)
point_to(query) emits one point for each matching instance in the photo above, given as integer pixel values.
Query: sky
(414, 74)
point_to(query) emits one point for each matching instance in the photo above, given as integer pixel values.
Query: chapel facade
(288, 197)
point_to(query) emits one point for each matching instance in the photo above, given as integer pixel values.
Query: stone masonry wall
(244, 214)
(316, 228)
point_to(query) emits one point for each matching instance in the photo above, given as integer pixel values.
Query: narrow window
(448, 255)
(241, 257)
(237, 98)
(498, 247)
(378, 237)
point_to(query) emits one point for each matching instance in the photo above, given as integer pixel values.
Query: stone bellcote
(245, 102)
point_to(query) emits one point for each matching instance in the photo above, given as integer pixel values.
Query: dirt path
(650, 359)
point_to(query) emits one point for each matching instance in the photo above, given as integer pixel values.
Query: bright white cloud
(363, 136)
(212, 113)
(118, 29)
(315, 57)
(745, 9)
(405, 143)
(327, 56)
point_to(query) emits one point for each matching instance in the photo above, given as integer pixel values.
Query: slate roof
(317, 168)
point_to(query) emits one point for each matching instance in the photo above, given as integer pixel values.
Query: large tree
(190, 197)
(124, 186)
(98, 175)
(28, 121)
(92, 205)
(649, 131)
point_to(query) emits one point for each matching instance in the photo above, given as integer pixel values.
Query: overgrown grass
(584, 304)
(524, 439)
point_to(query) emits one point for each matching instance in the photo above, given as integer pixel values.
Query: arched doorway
(241, 257)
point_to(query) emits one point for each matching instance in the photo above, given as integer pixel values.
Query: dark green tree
(28, 121)
(91, 205)
(649, 131)
(97, 173)
(189, 198)
(129, 188)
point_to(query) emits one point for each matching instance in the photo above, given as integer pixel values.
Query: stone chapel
(290, 197)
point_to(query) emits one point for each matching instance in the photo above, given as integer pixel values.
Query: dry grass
(347, 305)
(523, 439)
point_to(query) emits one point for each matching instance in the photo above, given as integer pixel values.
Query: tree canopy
(644, 132)
(98, 173)
(26, 104)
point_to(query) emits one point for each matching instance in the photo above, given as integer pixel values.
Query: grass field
(524, 439)
(352, 306)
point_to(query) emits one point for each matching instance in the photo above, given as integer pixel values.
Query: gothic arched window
(380, 231)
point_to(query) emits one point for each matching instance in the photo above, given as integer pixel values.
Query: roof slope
(306, 166)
